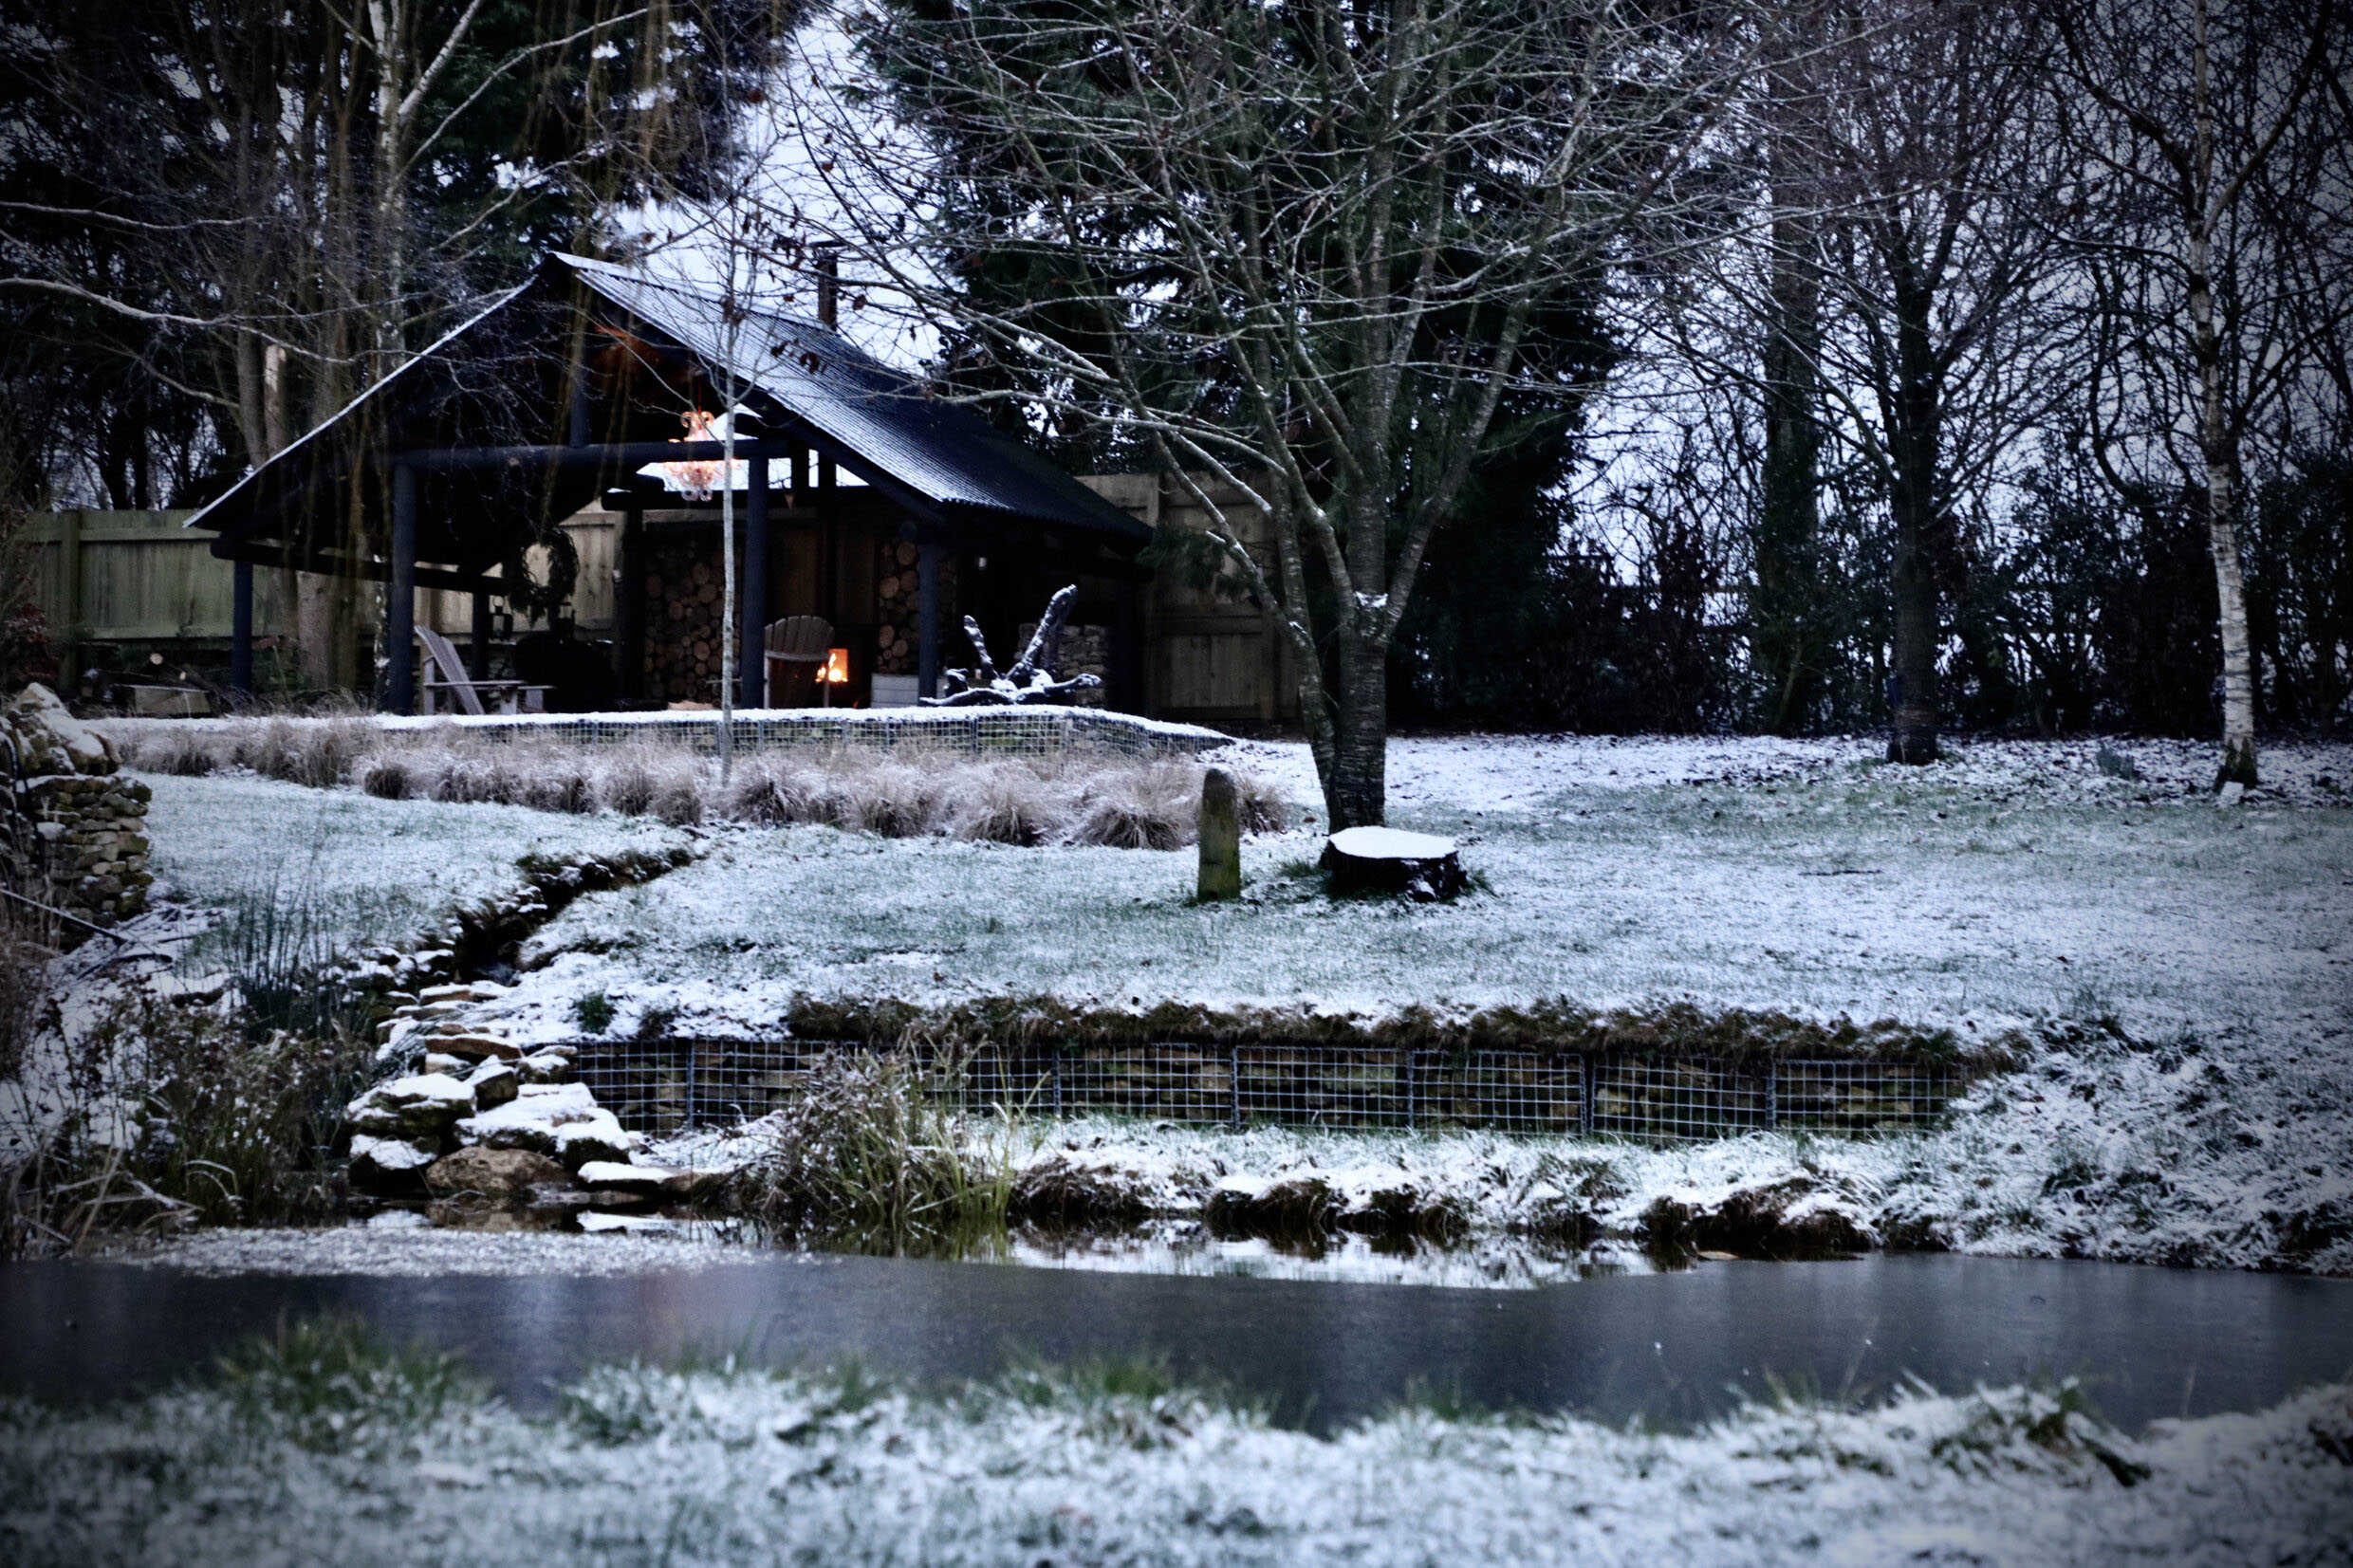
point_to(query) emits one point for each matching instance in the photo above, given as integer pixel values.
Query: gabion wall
(660, 1086)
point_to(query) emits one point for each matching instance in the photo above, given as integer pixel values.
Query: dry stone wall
(80, 827)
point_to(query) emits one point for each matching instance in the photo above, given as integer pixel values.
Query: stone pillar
(1221, 837)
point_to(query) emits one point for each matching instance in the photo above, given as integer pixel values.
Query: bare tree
(2183, 104)
(1298, 249)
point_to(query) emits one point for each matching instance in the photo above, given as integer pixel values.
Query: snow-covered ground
(2014, 886)
(717, 1467)
(364, 870)
(2179, 973)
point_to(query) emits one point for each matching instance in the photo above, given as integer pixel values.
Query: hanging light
(696, 480)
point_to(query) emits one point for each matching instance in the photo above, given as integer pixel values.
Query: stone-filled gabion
(88, 848)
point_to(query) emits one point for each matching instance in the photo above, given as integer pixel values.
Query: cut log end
(1423, 866)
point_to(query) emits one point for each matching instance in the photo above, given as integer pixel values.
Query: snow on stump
(1221, 837)
(1386, 859)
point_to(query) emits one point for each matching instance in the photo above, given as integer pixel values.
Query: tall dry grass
(1075, 798)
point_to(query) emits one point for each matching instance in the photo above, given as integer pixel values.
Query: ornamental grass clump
(869, 1146)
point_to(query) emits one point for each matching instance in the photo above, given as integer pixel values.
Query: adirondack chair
(796, 648)
(508, 695)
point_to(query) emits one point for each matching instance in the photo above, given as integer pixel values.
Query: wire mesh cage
(662, 1085)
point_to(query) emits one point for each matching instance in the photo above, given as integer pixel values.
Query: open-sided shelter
(865, 498)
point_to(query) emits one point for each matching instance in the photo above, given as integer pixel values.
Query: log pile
(682, 622)
(896, 646)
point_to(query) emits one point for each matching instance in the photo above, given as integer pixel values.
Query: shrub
(593, 1011)
(868, 1147)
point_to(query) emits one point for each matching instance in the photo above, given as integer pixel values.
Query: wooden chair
(509, 696)
(796, 648)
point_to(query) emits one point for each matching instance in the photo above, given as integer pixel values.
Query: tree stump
(1385, 860)
(1221, 837)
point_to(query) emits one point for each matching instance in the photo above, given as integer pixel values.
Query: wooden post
(754, 629)
(241, 629)
(927, 620)
(478, 655)
(400, 596)
(629, 605)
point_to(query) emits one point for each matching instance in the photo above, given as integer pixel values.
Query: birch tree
(2183, 104)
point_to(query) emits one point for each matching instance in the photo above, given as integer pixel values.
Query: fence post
(1585, 1093)
(1233, 1083)
(693, 1053)
(1058, 1083)
(1405, 1072)
(1772, 1094)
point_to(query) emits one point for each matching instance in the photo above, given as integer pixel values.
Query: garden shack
(554, 460)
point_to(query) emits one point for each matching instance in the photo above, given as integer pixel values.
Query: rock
(491, 1172)
(614, 1173)
(423, 1105)
(1221, 838)
(561, 1120)
(389, 1165)
(2231, 794)
(437, 1061)
(2116, 765)
(494, 1082)
(51, 739)
(545, 1067)
(1384, 859)
(478, 1047)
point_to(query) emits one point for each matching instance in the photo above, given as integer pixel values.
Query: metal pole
(927, 620)
(1234, 1080)
(1584, 1097)
(1772, 1094)
(755, 588)
(693, 1053)
(241, 629)
(401, 598)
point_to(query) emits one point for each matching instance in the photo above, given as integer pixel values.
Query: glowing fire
(836, 670)
(697, 481)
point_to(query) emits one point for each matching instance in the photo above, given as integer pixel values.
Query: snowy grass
(1974, 896)
(357, 869)
(322, 1450)
(1069, 797)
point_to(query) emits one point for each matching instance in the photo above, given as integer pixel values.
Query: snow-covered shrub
(1151, 805)
(181, 750)
(1006, 803)
(390, 775)
(868, 1147)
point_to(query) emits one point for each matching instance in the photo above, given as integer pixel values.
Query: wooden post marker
(1221, 837)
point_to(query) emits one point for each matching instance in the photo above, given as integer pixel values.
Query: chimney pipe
(828, 285)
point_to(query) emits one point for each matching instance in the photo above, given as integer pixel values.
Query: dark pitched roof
(941, 449)
(882, 421)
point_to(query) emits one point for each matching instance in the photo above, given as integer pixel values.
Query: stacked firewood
(896, 650)
(682, 622)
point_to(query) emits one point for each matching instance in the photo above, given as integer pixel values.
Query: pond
(1670, 1349)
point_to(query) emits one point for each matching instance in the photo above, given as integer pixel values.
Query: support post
(400, 596)
(478, 650)
(927, 618)
(754, 629)
(1127, 695)
(241, 629)
(629, 605)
